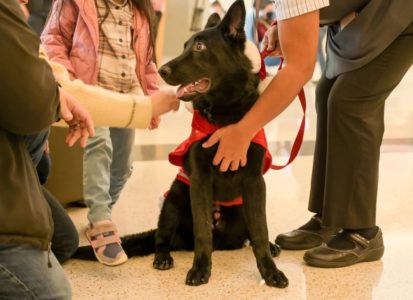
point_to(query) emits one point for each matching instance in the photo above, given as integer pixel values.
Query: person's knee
(67, 248)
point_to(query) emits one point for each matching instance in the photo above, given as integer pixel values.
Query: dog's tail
(139, 244)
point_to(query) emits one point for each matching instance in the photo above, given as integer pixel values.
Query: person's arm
(298, 38)
(109, 108)
(58, 32)
(29, 96)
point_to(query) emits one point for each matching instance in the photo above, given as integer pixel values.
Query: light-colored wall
(178, 16)
(177, 19)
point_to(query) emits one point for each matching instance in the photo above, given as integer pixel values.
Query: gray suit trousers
(350, 127)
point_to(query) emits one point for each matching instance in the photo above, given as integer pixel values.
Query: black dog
(214, 73)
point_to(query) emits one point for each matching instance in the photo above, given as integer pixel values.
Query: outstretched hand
(232, 148)
(163, 102)
(77, 117)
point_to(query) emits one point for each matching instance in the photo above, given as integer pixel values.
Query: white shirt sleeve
(285, 9)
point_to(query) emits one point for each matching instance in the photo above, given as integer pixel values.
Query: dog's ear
(213, 20)
(232, 25)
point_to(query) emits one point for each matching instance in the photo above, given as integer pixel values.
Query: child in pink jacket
(108, 43)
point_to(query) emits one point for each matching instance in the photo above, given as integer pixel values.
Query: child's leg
(96, 175)
(123, 140)
(98, 161)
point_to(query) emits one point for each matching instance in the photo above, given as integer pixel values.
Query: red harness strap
(201, 128)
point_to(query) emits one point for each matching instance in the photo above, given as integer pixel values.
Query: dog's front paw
(163, 261)
(277, 279)
(198, 276)
(274, 249)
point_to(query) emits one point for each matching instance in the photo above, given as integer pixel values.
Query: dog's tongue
(184, 89)
(199, 86)
(180, 92)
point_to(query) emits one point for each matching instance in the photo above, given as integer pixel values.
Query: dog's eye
(198, 46)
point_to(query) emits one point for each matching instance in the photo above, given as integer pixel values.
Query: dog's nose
(165, 71)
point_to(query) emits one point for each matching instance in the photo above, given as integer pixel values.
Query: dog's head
(213, 66)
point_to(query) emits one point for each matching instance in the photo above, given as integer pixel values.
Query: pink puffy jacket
(78, 19)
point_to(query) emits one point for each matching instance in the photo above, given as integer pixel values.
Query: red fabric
(201, 128)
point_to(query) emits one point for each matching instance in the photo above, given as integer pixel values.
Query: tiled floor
(234, 273)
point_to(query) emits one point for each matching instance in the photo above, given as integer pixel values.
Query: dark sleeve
(29, 96)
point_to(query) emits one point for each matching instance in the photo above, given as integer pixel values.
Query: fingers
(228, 162)
(225, 165)
(154, 123)
(163, 102)
(213, 139)
(65, 113)
(73, 134)
(77, 117)
(84, 135)
(265, 42)
(243, 162)
(78, 131)
(88, 125)
(272, 41)
(235, 165)
(175, 104)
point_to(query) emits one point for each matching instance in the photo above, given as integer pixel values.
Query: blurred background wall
(177, 20)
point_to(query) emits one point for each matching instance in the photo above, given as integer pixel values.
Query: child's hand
(154, 123)
(163, 102)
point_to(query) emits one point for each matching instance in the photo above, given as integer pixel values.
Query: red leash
(300, 135)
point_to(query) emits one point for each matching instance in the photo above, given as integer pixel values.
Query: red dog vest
(201, 128)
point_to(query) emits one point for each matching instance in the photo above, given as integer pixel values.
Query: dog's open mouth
(200, 86)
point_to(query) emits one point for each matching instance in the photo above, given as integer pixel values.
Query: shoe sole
(371, 255)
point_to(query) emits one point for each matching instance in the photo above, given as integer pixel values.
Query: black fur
(186, 221)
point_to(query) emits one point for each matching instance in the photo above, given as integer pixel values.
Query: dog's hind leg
(274, 249)
(255, 216)
(173, 210)
(230, 231)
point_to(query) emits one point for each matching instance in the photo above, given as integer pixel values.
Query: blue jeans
(24, 274)
(107, 165)
(35, 145)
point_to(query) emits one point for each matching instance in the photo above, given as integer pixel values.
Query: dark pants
(65, 238)
(350, 127)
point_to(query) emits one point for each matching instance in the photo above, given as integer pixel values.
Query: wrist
(246, 129)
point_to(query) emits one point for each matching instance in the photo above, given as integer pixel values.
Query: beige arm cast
(107, 108)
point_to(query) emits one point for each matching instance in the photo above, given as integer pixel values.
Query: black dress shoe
(364, 250)
(303, 239)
